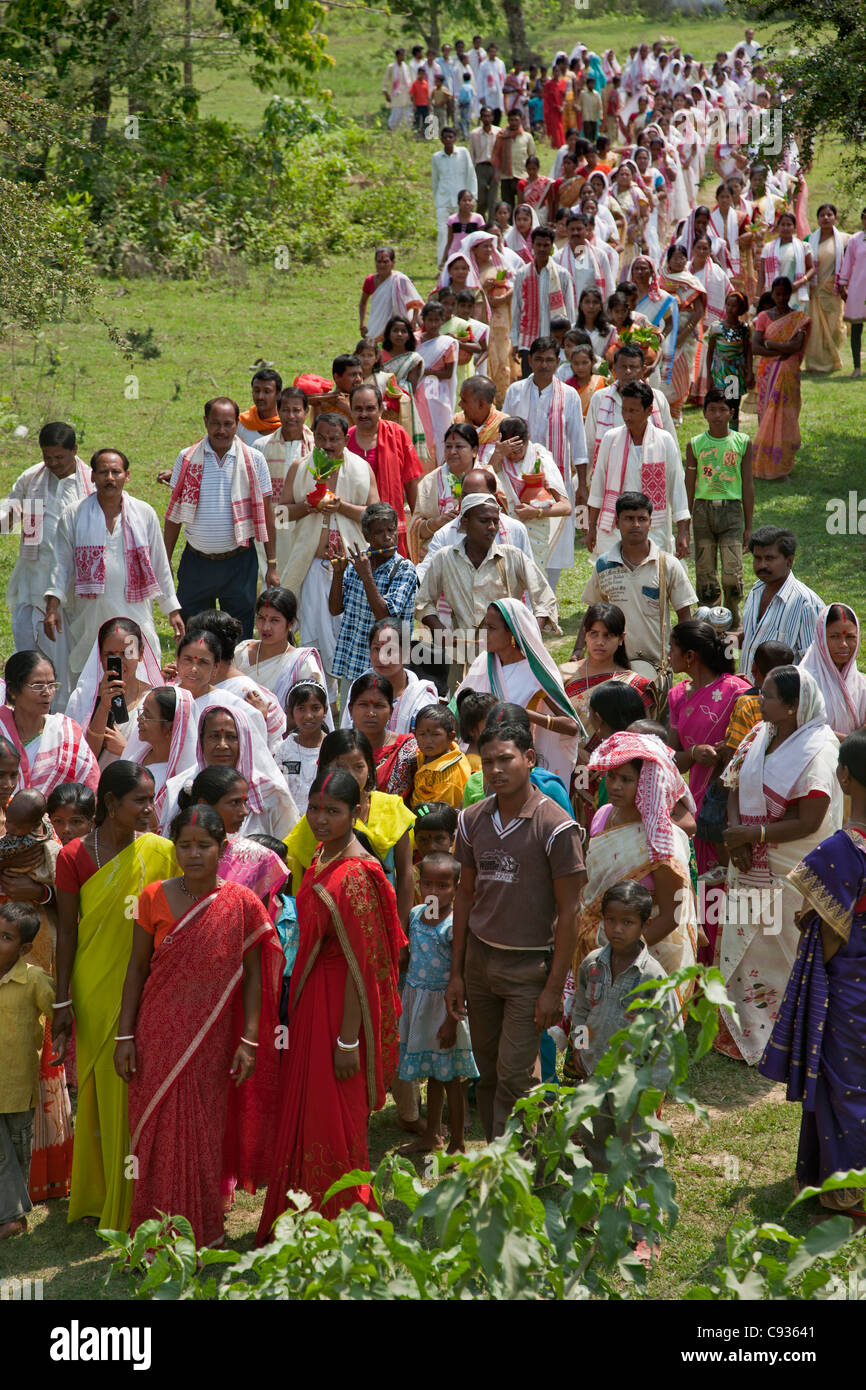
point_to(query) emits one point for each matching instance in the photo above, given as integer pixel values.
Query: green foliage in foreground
(524, 1218)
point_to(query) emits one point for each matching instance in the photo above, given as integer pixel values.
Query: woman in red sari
(343, 1010)
(197, 945)
(553, 101)
(371, 704)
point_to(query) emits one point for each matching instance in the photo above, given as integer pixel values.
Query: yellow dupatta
(388, 822)
(101, 1187)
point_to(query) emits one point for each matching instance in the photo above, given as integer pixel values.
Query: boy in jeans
(721, 497)
(26, 997)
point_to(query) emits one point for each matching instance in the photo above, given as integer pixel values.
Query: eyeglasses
(44, 687)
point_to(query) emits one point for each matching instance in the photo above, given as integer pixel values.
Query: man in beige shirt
(472, 574)
(513, 148)
(482, 142)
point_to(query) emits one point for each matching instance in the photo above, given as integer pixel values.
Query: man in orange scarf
(263, 417)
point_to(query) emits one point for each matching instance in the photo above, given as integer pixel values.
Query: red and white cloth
(90, 532)
(248, 503)
(37, 486)
(63, 756)
(659, 785)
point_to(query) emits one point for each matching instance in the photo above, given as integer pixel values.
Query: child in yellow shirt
(443, 770)
(473, 707)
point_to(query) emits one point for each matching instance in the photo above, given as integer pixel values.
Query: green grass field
(208, 335)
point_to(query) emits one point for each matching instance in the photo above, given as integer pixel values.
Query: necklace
(184, 889)
(259, 657)
(96, 849)
(323, 861)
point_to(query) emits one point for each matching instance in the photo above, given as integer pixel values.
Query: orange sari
(778, 386)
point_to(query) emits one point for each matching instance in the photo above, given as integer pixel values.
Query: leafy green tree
(819, 56)
(44, 266)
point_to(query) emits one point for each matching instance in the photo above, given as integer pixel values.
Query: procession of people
(253, 884)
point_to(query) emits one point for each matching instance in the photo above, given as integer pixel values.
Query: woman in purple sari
(818, 1043)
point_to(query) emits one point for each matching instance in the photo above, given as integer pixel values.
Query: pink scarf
(659, 786)
(248, 506)
(90, 530)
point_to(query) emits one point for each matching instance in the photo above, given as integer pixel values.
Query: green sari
(101, 1185)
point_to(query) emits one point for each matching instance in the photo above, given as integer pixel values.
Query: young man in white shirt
(491, 79)
(451, 170)
(639, 457)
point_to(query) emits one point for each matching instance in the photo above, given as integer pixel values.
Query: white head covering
(810, 736)
(83, 697)
(844, 691)
(255, 761)
(181, 753)
(515, 240)
(476, 499)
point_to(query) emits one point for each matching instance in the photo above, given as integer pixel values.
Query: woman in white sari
(518, 669)
(90, 702)
(832, 661)
(438, 385)
(784, 800)
(512, 458)
(226, 739)
(633, 836)
(164, 738)
(274, 661)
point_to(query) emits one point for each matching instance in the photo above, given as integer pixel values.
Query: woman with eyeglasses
(52, 747)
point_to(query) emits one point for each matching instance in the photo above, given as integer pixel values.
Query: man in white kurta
(292, 441)
(554, 417)
(105, 520)
(638, 457)
(605, 407)
(542, 290)
(395, 90)
(452, 170)
(491, 81)
(36, 501)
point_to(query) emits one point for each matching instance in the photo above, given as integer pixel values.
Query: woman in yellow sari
(827, 244)
(779, 337)
(98, 880)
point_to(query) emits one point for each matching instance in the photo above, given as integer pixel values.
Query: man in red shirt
(388, 450)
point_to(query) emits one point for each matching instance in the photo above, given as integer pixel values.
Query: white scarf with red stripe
(530, 302)
(248, 504)
(63, 754)
(653, 473)
(90, 532)
(728, 228)
(605, 420)
(36, 492)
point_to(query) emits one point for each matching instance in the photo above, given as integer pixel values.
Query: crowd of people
(251, 886)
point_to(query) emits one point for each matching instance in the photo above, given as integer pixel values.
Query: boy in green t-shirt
(721, 500)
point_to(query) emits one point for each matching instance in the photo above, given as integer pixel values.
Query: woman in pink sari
(438, 385)
(204, 958)
(700, 708)
(779, 337)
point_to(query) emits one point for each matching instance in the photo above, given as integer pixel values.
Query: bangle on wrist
(67, 1004)
(346, 1047)
(47, 897)
(124, 1037)
(249, 1043)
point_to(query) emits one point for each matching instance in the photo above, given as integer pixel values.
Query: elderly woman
(51, 747)
(226, 739)
(120, 641)
(784, 800)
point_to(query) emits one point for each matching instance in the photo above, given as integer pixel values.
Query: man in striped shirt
(779, 608)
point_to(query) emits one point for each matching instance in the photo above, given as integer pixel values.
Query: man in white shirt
(541, 292)
(554, 417)
(395, 90)
(579, 258)
(37, 500)
(605, 407)
(639, 457)
(751, 48)
(476, 56)
(109, 562)
(490, 81)
(452, 170)
(221, 494)
(481, 144)
(511, 531)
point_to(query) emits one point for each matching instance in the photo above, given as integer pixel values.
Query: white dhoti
(319, 627)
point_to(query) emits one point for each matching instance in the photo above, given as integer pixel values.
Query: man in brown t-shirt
(514, 920)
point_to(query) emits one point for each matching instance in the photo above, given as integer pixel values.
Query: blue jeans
(16, 1145)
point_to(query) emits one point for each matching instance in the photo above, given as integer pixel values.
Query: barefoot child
(443, 770)
(432, 1044)
(298, 754)
(26, 997)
